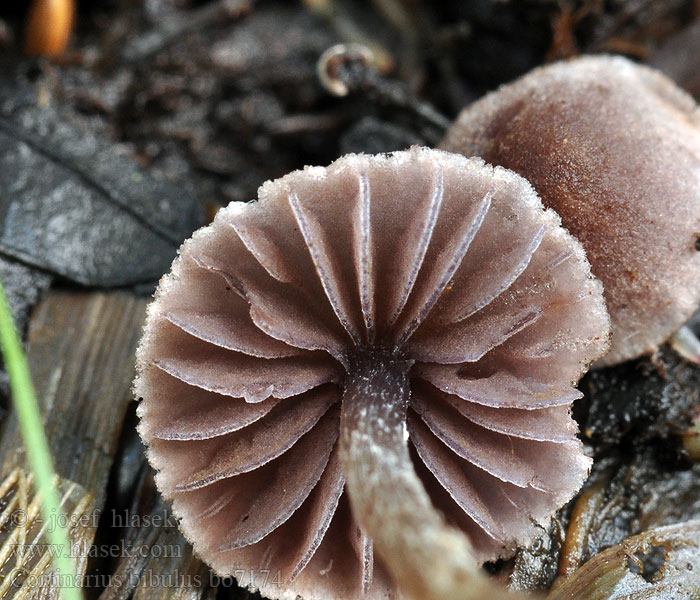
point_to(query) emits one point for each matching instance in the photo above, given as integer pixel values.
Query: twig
(348, 68)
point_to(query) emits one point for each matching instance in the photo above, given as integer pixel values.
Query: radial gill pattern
(443, 261)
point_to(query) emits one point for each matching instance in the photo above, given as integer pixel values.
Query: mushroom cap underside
(447, 262)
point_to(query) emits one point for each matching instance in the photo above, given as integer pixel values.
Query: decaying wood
(25, 563)
(80, 349)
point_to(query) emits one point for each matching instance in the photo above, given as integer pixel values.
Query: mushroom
(407, 328)
(614, 149)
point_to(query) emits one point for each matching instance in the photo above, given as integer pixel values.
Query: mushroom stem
(428, 559)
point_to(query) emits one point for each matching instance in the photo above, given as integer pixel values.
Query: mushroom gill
(405, 328)
(614, 148)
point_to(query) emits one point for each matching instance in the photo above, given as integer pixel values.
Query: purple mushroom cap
(614, 148)
(421, 265)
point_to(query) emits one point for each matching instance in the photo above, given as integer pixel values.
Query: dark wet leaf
(71, 205)
(23, 287)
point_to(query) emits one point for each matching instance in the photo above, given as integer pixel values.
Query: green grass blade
(38, 453)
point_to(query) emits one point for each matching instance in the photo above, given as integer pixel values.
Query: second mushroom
(614, 148)
(377, 356)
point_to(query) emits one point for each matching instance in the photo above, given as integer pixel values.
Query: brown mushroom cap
(425, 259)
(614, 149)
